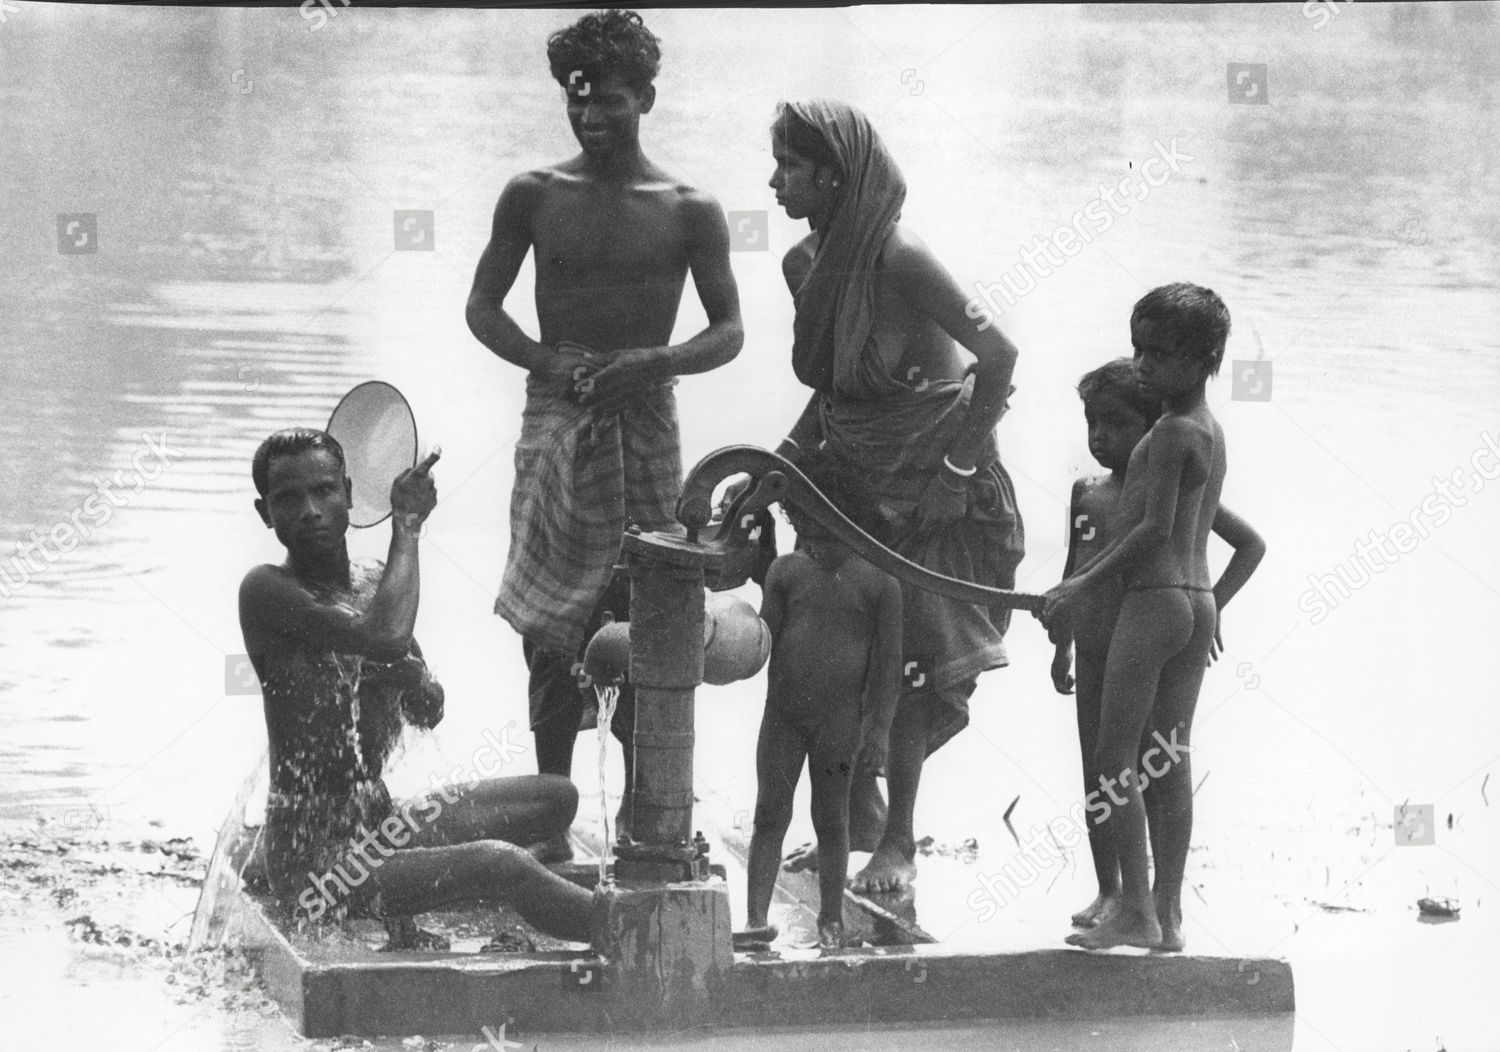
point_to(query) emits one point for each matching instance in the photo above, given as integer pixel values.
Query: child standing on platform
(1167, 626)
(835, 673)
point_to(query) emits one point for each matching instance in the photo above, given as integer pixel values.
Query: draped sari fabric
(836, 303)
(897, 432)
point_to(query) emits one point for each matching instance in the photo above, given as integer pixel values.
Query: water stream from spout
(608, 697)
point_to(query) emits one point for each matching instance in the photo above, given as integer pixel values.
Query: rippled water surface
(242, 171)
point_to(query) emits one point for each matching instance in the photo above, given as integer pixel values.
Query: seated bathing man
(331, 641)
(614, 238)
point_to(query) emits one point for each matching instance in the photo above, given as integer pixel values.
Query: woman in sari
(877, 318)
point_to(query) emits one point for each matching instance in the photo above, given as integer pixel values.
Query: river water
(201, 245)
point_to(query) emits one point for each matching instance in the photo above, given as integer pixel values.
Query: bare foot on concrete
(757, 937)
(1125, 926)
(1094, 912)
(1170, 917)
(891, 869)
(831, 935)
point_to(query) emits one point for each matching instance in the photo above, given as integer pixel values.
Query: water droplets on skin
(608, 698)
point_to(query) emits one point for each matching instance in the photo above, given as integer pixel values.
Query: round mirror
(374, 424)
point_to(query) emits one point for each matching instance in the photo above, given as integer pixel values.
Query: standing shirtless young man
(614, 238)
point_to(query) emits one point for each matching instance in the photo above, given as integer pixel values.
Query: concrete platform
(344, 987)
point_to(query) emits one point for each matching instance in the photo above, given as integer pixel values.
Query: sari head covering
(836, 303)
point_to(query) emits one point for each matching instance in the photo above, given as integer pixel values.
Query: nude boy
(1119, 412)
(331, 640)
(1168, 615)
(835, 674)
(614, 238)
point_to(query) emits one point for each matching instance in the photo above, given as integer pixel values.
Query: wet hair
(803, 139)
(1116, 379)
(846, 489)
(603, 43)
(289, 443)
(1194, 316)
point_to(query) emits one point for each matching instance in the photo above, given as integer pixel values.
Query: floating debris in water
(967, 851)
(1445, 908)
(1333, 907)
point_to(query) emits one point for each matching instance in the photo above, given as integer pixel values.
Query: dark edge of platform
(563, 992)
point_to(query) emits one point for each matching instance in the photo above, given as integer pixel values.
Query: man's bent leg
(525, 810)
(419, 879)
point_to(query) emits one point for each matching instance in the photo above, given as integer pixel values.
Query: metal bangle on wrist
(960, 472)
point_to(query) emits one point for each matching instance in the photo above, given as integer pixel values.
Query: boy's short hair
(1195, 316)
(846, 489)
(1116, 379)
(606, 42)
(802, 138)
(289, 443)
